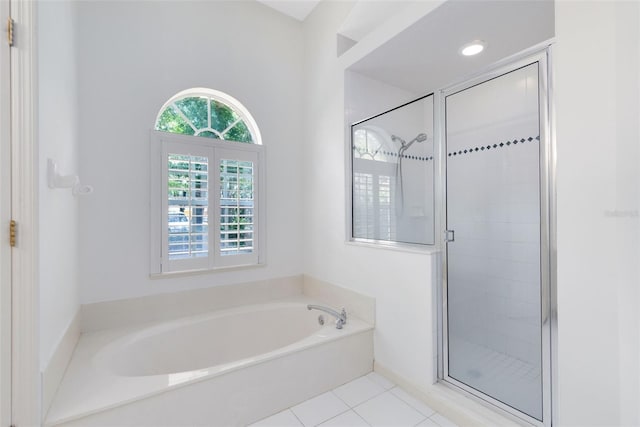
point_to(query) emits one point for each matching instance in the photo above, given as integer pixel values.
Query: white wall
(400, 281)
(597, 99)
(366, 97)
(58, 140)
(133, 56)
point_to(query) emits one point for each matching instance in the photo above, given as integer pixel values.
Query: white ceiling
(425, 57)
(366, 16)
(298, 9)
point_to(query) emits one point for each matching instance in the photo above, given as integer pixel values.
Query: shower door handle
(449, 236)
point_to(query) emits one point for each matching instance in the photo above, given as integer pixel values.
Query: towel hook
(55, 180)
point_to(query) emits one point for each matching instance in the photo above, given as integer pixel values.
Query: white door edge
(26, 394)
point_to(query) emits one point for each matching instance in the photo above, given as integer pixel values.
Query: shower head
(422, 137)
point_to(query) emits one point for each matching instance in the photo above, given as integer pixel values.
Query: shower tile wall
(494, 263)
(378, 210)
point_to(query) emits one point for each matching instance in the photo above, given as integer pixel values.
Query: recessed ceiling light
(473, 48)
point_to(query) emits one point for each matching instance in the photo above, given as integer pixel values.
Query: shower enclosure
(393, 175)
(496, 333)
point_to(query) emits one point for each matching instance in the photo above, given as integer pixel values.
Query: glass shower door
(494, 303)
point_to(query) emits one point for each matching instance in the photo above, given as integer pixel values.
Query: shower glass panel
(392, 164)
(494, 341)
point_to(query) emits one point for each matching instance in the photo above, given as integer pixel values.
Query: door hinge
(10, 31)
(12, 233)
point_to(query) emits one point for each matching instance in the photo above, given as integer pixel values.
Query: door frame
(25, 369)
(5, 217)
(542, 54)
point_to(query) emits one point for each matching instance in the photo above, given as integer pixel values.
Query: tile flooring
(371, 400)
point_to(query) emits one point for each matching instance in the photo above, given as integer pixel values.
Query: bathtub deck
(87, 389)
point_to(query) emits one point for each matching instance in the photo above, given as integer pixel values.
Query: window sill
(186, 273)
(395, 246)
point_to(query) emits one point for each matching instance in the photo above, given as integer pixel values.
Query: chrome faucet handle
(341, 318)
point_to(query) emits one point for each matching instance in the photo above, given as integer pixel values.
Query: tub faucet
(341, 317)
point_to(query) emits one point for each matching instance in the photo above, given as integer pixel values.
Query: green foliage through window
(206, 117)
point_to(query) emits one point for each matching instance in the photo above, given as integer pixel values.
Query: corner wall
(597, 95)
(58, 140)
(401, 282)
(133, 57)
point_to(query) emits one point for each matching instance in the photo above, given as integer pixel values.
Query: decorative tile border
(494, 146)
(466, 151)
(404, 156)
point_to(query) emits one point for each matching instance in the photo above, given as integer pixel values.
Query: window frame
(214, 149)
(215, 95)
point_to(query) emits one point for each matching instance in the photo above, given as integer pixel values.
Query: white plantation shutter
(236, 208)
(363, 213)
(206, 204)
(185, 192)
(373, 212)
(188, 206)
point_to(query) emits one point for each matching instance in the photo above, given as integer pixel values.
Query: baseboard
(458, 408)
(359, 305)
(134, 311)
(53, 373)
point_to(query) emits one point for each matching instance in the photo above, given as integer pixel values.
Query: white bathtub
(231, 367)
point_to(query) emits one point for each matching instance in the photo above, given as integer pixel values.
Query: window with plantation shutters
(236, 207)
(188, 206)
(237, 211)
(206, 192)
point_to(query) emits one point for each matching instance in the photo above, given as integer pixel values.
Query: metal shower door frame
(547, 162)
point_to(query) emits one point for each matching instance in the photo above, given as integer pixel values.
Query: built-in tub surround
(54, 371)
(160, 307)
(230, 367)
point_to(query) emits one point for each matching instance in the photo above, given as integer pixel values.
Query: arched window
(371, 142)
(208, 113)
(207, 183)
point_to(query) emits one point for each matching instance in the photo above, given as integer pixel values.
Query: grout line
(342, 413)
(410, 405)
(353, 408)
(364, 401)
(422, 420)
(294, 414)
(424, 417)
(340, 399)
(324, 421)
(360, 416)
